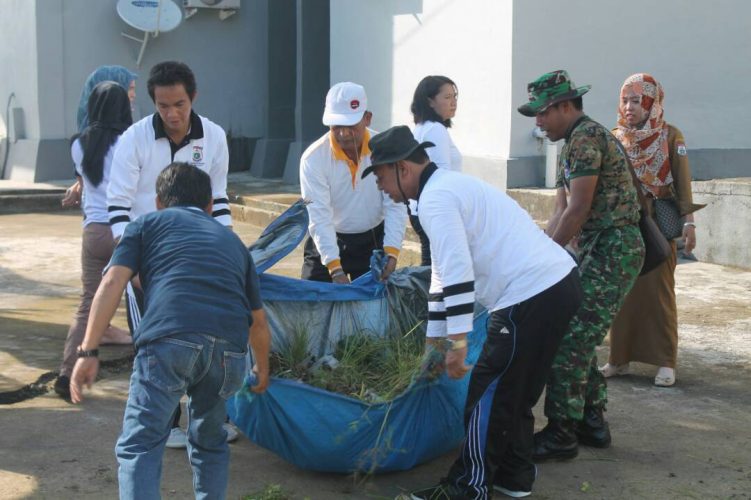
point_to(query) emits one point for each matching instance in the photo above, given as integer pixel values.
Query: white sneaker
(665, 377)
(609, 370)
(232, 433)
(511, 493)
(177, 438)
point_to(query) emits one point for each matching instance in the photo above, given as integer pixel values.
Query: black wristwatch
(92, 353)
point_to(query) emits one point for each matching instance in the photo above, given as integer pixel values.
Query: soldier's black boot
(557, 441)
(593, 430)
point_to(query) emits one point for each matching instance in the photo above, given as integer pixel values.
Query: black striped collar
(195, 131)
(429, 170)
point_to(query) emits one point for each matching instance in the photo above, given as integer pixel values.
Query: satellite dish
(150, 16)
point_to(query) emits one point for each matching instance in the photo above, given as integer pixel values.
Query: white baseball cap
(346, 104)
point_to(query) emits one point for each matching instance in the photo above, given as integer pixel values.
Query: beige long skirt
(646, 327)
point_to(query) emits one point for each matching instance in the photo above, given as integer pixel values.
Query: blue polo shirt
(196, 274)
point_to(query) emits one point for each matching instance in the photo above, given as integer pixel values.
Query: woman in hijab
(109, 115)
(646, 327)
(122, 76)
(118, 74)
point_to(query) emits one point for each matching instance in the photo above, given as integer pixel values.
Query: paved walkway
(690, 441)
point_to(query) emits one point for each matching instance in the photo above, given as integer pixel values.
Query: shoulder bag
(656, 247)
(668, 217)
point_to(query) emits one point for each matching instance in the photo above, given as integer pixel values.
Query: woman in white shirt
(433, 107)
(109, 115)
(118, 74)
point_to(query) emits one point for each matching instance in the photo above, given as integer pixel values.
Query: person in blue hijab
(123, 76)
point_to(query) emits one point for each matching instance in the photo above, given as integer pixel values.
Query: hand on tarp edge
(258, 380)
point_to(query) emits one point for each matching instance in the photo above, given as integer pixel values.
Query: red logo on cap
(354, 104)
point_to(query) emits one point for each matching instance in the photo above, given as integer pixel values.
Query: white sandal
(665, 377)
(609, 370)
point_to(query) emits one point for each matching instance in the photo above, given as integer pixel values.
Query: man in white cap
(349, 216)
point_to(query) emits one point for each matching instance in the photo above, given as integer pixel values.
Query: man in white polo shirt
(349, 216)
(485, 247)
(174, 133)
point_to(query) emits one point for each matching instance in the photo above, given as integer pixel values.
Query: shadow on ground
(17, 284)
(31, 350)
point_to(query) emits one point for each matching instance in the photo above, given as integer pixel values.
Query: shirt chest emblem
(197, 154)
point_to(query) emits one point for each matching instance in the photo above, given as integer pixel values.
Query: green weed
(271, 492)
(368, 367)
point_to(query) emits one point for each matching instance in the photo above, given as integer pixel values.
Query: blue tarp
(325, 431)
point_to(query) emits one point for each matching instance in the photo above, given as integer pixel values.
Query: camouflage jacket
(591, 149)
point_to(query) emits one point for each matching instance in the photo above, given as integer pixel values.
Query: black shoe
(62, 387)
(557, 441)
(441, 491)
(593, 430)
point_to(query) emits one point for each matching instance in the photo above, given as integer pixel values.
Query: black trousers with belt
(505, 384)
(354, 252)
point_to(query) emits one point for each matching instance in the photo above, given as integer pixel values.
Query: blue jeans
(209, 370)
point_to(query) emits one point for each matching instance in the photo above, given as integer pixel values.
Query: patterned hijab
(647, 146)
(122, 76)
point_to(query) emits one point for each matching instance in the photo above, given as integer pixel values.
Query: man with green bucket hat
(596, 214)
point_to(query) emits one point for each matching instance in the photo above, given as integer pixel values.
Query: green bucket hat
(549, 89)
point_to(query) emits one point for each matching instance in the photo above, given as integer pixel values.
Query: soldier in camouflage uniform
(597, 214)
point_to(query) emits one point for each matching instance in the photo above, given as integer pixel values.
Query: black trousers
(354, 252)
(425, 259)
(505, 385)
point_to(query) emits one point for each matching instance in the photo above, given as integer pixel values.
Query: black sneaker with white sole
(511, 493)
(441, 491)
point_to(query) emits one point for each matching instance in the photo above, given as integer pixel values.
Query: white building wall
(470, 42)
(19, 88)
(389, 46)
(699, 50)
(18, 21)
(49, 47)
(362, 42)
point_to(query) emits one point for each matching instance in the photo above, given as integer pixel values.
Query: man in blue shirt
(202, 310)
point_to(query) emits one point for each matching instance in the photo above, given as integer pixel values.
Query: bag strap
(642, 199)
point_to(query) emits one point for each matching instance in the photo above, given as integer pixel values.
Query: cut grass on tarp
(292, 360)
(363, 365)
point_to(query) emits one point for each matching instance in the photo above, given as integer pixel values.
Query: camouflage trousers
(610, 261)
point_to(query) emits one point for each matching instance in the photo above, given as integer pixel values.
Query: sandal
(665, 377)
(609, 370)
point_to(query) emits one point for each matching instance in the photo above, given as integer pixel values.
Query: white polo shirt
(444, 154)
(144, 150)
(484, 247)
(342, 202)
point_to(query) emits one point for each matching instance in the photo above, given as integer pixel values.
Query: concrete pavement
(689, 441)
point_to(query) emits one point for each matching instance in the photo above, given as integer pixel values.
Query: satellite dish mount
(150, 16)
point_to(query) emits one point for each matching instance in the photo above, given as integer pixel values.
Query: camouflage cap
(549, 89)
